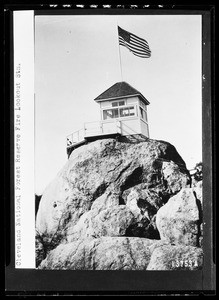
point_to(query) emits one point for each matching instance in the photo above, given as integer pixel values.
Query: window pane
(127, 111)
(110, 114)
(131, 111)
(141, 112)
(124, 112)
(145, 116)
(107, 114)
(115, 113)
(121, 103)
(118, 103)
(142, 105)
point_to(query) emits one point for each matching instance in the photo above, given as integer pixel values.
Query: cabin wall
(105, 104)
(144, 128)
(132, 100)
(130, 126)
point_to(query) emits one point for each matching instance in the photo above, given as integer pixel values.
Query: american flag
(135, 44)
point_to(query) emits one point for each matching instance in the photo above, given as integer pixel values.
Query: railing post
(101, 127)
(84, 130)
(119, 126)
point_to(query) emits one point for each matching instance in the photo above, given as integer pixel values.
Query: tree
(198, 174)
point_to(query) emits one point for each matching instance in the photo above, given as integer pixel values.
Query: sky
(77, 58)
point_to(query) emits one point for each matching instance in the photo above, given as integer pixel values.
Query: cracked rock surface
(105, 253)
(111, 202)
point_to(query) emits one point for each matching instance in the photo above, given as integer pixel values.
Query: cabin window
(127, 111)
(143, 114)
(143, 105)
(118, 103)
(116, 113)
(110, 114)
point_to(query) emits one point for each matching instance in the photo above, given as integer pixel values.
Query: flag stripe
(142, 54)
(138, 40)
(139, 53)
(133, 43)
(139, 47)
(136, 50)
(139, 43)
(133, 48)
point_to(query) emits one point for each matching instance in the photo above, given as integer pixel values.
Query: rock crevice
(113, 202)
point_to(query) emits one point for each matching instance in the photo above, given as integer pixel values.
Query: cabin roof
(120, 90)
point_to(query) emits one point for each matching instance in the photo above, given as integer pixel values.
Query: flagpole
(120, 60)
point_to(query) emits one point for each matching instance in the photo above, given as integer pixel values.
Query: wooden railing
(90, 129)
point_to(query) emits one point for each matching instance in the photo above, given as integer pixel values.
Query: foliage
(199, 174)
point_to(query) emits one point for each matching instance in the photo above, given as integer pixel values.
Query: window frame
(142, 114)
(134, 107)
(142, 104)
(118, 101)
(127, 107)
(111, 109)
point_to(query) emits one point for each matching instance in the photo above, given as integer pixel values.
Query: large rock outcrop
(180, 257)
(178, 221)
(109, 189)
(115, 221)
(105, 253)
(123, 253)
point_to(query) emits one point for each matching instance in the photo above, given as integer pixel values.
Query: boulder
(173, 177)
(107, 200)
(168, 257)
(99, 177)
(105, 253)
(108, 222)
(114, 221)
(178, 221)
(59, 205)
(143, 200)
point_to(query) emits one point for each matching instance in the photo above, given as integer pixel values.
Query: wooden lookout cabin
(123, 112)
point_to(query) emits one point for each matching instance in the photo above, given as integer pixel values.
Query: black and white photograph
(118, 142)
(112, 159)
